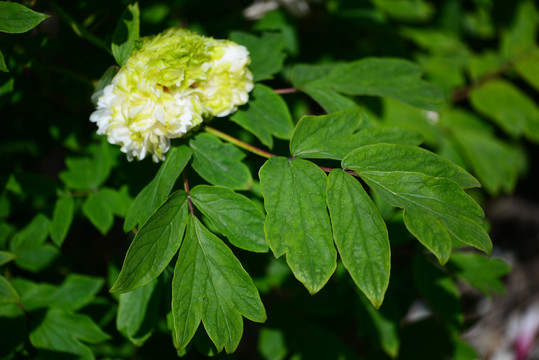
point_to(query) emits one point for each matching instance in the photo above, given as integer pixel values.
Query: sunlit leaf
(211, 285)
(297, 222)
(17, 18)
(125, 34)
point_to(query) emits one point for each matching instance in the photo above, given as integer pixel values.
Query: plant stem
(285, 90)
(328, 170)
(186, 187)
(238, 142)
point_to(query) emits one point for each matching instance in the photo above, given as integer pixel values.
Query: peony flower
(168, 86)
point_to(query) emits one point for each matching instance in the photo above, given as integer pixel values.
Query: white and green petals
(164, 90)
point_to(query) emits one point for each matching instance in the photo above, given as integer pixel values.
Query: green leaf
(104, 80)
(73, 294)
(86, 173)
(330, 100)
(63, 332)
(101, 207)
(272, 344)
(436, 209)
(265, 114)
(3, 66)
(61, 219)
(6, 257)
(29, 247)
(13, 327)
(510, 108)
(233, 215)
(360, 235)
(528, 67)
(297, 222)
(394, 78)
(520, 38)
(125, 34)
(16, 18)
(482, 273)
(211, 285)
(439, 291)
(157, 190)
(417, 10)
(335, 135)
(8, 295)
(155, 244)
(266, 52)
(138, 312)
(396, 157)
(218, 163)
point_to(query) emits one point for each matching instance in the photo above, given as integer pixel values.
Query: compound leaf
(210, 284)
(297, 221)
(360, 234)
(157, 190)
(265, 114)
(155, 244)
(233, 215)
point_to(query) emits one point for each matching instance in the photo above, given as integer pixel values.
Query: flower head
(168, 86)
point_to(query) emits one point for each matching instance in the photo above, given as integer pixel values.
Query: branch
(238, 142)
(285, 91)
(186, 187)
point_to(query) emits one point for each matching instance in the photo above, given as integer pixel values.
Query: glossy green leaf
(330, 100)
(265, 114)
(218, 163)
(157, 190)
(88, 173)
(59, 331)
(156, 242)
(125, 34)
(233, 215)
(138, 312)
(297, 221)
(436, 209)
(73, 294)
(394, 78)
(8, 295)
(17, 18)
(101, 207)
(211, 285)
(360, 235)
(482, 273)
(397, 157)
(61, 219)
(439, 291)
(335, 135)
(3, 66)
(510, 108)
(266, 52)
(6, 257)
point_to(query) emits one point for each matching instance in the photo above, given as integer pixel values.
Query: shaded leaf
(64, 332)
(360, 235)
(394, 78)
(272, 344)
(234, 215)
(482, 273)
(218, 163)
(297, 222)
(510, 108)
(528, 67)
(265, 114)
(7, 293)
(17, 18)
(520, 37)
(155, 244)
(3, 66)
(266, 52)
(101, 207)
(125, 34)
(138, 312)
(211, 285)
(157, 190)
(61, 219)
(6, 257)
(88, 173)
(330, 100)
